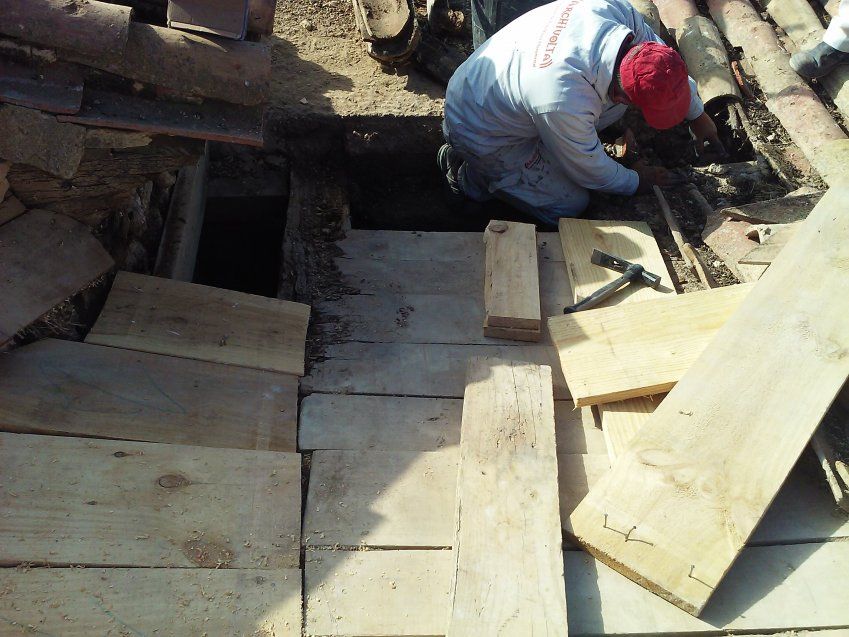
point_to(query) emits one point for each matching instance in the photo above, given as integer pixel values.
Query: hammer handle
(599, 295)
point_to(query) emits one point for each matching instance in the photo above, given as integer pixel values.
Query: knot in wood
(498, 226)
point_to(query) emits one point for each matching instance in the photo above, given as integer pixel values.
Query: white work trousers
(837, 34)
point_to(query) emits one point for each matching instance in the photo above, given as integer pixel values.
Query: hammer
(631, 273)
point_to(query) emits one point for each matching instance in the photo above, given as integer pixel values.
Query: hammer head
(617, 264)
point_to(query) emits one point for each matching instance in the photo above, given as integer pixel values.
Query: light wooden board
(768, 589)
(110, 503)
(629, 240)
(511, 281)
(638, 349)
(45, 258)
(75, 602)
(63, 387)
(409, 369)
(389, 499)
(620, 421)
(393, 245)
(576, 474)
(508, 512)
(377, 593)
(718, 448)
(195, 321)
(765, 253)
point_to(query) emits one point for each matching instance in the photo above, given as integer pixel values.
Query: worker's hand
(704, 130)
(657, 176)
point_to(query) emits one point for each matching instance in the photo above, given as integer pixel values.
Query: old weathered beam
(55, 88)
(86, 27)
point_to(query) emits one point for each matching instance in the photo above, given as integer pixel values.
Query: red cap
(654, 77)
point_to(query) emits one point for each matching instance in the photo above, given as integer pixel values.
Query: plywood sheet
(409, 369)
(399, 593)
(638, 349)
(79, 389)
(101, 502)
(45, 258)
(388, 499)
(507, 501)
(75, 602)
(511, 281)
(163, 316)
(629, 240)
(713, 463)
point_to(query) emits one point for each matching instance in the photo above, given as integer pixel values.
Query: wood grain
(511, 280)
(45, 259)
(79, 389)
(163, 316)
(717, 449)
(620, 421)
(109, 503)
(638, 349)
(75, 602)
(508, 512)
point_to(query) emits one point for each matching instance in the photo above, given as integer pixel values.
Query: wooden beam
(55, 88)
(97, 29)
(638, 349)
(47, 258)
(217, 17)
(115, 503)
(511, 281)
(77, 389)
(507, 500)
(163, 316)
(630, 240)
(78, 602)
(714, 462)
(622, 420)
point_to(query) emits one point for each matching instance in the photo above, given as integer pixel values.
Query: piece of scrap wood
(511, 281)
(55, 88)
(106, 502)
(400, 593)
(638, 349)
(45, 258)
(34, 138)
(715, 463)
(781, 210)
(227, 18)
(163, 316)
(98, 29)
(507, 500)
(261, 16)
(630, 240)
(79, 389)
(727, 238)
(78, 602)
(766, 253)
(214, 121)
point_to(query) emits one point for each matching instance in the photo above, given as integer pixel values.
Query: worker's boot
(449, 165)
(817, 62)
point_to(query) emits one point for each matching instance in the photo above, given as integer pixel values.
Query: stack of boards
(154, 468)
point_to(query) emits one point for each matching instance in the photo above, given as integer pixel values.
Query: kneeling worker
(522, 114)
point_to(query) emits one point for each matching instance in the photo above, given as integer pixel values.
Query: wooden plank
(213, 121)
(399, 593)
(511, 281)
(162, 316)
(768, 589)
(715, 464)
(393, 499)
(621, 420)
(218, 17)
(76, 602)
(110, 503)
(45, 259)
(36, 139)
(410, 369)
(78, 389)
(98, 29)
(395, 423)
(639, 349)
(766, 253)
(727, 238)
(630, 240)
(781, 210)
(576, 475)
(507, 500)
(55, 88)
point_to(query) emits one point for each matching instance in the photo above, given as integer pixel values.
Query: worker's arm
(573, 140)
